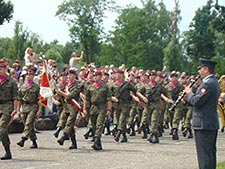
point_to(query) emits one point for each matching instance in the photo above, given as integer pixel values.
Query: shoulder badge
(203, 90)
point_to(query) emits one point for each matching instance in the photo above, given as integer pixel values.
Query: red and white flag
(45, 90)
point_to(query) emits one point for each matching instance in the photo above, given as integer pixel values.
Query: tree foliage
(140, 36)
(206, 35)
(85, 19)
(6, 11)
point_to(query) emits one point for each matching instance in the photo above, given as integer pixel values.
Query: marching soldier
(123, 97)
(70, 108)
(8, 107)
(84, 87)
(29, 98)
(174, 88)
(98, 96)
(59, 101)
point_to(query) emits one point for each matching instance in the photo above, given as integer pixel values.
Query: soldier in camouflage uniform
(174, 88)
(8, 107)
(133, 110)
(70, 110)
(115, 105)
(59, 101)
(29, 98)
(98, 96)
(159, 79)
(123, 97)
(84, 86)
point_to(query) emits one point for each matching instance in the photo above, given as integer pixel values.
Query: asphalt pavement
(137, 153)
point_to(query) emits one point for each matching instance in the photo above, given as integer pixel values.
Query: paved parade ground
(137, 153)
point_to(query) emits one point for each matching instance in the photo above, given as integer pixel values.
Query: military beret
(153, 73)
(173, 74)
(72, 71)
(106, 73)
(206, 63)
(31, 70)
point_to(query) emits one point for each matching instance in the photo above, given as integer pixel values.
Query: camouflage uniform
(115, 107)
(60, 124)
(154, 99)
(145, 119)
(98, 97)
(29, 97)
(124, 97)
(175, 116)
(84, 86)
(8, 94)
(69, 115)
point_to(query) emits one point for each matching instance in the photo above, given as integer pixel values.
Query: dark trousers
(205, 141)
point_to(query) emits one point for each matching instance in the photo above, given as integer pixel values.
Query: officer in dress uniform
(205, 116)
(8, 107)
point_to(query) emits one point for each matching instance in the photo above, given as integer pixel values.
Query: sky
(39, 17)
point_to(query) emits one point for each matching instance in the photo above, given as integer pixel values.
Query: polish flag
(45, 90)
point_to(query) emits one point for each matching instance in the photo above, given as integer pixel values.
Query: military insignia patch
(203, 90)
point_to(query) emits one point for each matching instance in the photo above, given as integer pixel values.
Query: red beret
(105, 73)
(173, 74)
(153, 73)
(72, 71)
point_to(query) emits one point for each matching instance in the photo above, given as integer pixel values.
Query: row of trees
(147, 37)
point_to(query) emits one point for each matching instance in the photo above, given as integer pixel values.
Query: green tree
(85, 18)
(67, 51)
(6, 11)
(5, 45)
(173, 58)
(19, 40)
(206, 35)
(140, 36)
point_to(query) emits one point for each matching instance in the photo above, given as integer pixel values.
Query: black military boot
(160, 132)
(34, 144)
(117, 138)
(132, 131)
(74, 142)
(107, 129)
(153, 138)
(190, 135)
(124, 139)
(56, 134)
(86, 135)
(62, 139)
(21, 142)
(8, 154)
(144, 129)
(97, 144)
(175, 134)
